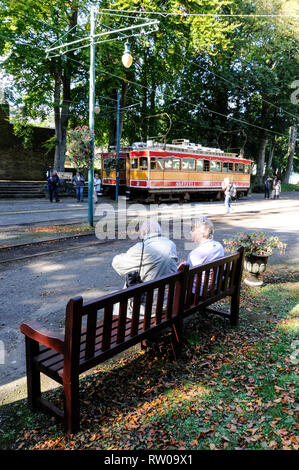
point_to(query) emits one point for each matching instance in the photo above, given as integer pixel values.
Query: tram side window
(215, 166)
(160, 164)
(199, 165)
(168, 163)
(157, 163)
(185, 164)
(247, 168)
(153, 163)
(206, 165)
(176, 164)
(134, 163)
(228, 166)
(143, 163)
(192, 163)
(241, 168)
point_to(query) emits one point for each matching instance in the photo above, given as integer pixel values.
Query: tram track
(25, 251)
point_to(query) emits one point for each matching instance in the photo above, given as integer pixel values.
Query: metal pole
(117, 148)
(91, 115)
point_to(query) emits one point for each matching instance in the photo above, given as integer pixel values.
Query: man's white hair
(204, 226)
(150, 226)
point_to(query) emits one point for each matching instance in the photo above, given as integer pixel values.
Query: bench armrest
(39, 333)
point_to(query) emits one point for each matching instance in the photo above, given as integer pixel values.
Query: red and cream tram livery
(153, 171)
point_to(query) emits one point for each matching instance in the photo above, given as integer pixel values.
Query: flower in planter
(255, 243)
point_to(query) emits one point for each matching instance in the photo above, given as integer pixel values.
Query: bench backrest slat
(160, 303)
(135, 314)
(219, 279)
(91, 334)
(148, 310)
(108, 312)
(122, 316)
(170, 297)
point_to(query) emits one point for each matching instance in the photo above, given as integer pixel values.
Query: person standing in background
(277, 189)
(79, 182)
(96, 187)
(226, 187)
(267, 187)
(53, 182)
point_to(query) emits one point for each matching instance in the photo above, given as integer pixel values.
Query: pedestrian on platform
(96, 187)
(53, 183)
(229, 191)
(277, 189)
(79, 182)
(267, 187)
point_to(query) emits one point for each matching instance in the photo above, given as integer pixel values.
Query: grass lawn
(233, 388)
(289, 187)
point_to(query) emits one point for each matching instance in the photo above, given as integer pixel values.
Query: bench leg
(176, 338)
(234, 310)
(71, 406)
(33, 375)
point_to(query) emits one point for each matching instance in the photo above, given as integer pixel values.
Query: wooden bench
(93, 333)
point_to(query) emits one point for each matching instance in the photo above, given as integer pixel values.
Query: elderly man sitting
(154, 257)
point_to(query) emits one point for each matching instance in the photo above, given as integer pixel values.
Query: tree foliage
(217, 80)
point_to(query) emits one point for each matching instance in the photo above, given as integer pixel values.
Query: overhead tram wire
(217, 15)
(108, 12)
(198, 106)
(238, 86)
(189, 103)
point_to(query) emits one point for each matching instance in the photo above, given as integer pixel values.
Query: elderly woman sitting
(208, 249)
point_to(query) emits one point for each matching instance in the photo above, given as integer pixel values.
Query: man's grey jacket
(159, 258)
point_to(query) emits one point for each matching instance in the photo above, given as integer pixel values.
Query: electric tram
(154, 172)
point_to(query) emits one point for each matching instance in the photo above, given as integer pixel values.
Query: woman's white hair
(150, 226)
(204, 226)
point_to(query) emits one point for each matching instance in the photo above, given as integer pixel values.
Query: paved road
(39, 288)
(20, 213)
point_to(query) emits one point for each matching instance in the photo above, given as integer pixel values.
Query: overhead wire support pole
(91, 115)
(117, 148)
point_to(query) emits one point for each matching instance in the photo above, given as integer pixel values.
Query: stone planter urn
(255, 265)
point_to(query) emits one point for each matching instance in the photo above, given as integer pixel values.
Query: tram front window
(143, 163)
(134, 163)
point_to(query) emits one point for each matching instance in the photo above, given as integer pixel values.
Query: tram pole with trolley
(117, 148)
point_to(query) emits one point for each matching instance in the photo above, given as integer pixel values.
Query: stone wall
(18, 163)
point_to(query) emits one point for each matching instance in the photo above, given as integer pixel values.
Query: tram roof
(181, 146)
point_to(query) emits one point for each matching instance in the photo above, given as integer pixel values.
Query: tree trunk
(62, 97)
(112, 125)
(271, 153)
(291, 151)
(261, 159)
